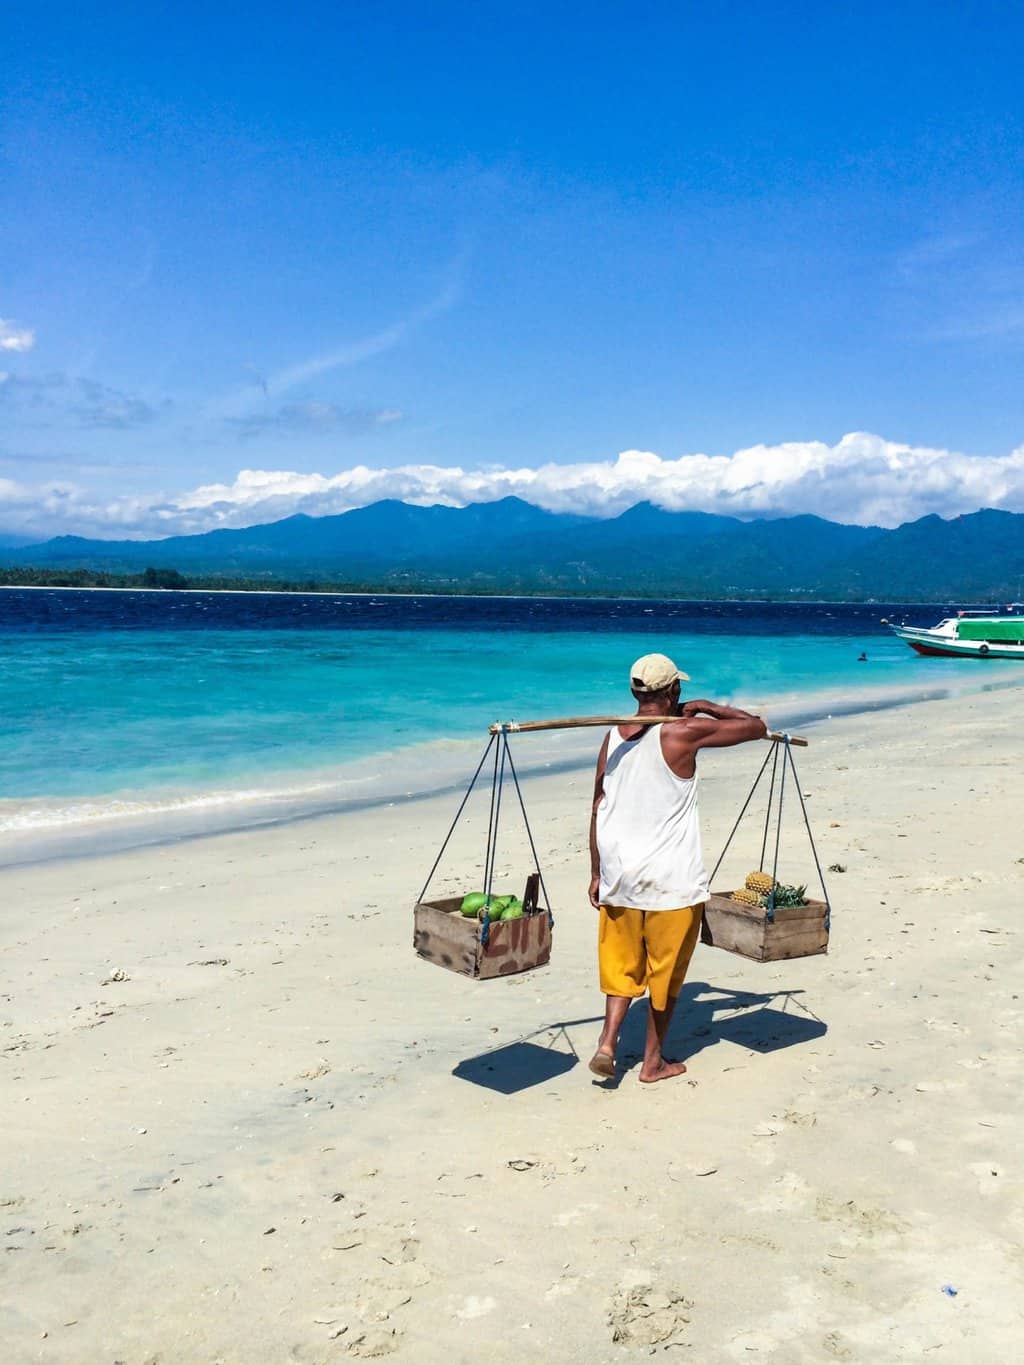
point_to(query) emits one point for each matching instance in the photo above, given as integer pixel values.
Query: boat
(969, 635)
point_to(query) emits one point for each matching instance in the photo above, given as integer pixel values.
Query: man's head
(654, 677)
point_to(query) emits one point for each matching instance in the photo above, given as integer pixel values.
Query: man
(648, 879)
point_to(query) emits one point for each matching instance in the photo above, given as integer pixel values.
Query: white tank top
(648, 834)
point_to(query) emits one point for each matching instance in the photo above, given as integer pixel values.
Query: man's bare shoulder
(685, 731)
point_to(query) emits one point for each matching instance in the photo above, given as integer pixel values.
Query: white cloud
(14, 337)
(862, 478)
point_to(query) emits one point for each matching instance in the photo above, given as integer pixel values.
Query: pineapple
(760, 882)
(747, 897)
(789, 895)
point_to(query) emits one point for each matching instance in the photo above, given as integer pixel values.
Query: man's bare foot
(603, 1064)
(661, 1070)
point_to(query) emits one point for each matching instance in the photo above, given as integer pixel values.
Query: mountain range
(512, 546)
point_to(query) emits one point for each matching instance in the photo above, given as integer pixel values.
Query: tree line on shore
(170, 579)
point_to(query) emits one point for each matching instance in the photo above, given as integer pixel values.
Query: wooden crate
(445, 937)
(795, 931)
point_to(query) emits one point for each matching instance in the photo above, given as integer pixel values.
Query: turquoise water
(97, 714)
(119, 705)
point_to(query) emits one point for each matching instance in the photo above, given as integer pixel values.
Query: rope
(743, 812)
(768, 812)
(529, 831)
(490, 817)
(492, 841)
(458, 814)
(810, 838)
(778, 836)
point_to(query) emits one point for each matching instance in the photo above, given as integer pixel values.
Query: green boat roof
(1006, 628)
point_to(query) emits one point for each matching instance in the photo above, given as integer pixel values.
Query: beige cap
(655, 672)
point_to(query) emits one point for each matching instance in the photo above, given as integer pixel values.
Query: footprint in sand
(369, 1343)
(861, 1219)
(378, 1299)
(800, 1120)
(834, 1345)
(647, 1316)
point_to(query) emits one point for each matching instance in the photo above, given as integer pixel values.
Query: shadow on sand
(706, 1015)
(522, 1064)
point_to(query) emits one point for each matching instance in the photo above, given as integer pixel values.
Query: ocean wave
(44, 816)
(423, 769)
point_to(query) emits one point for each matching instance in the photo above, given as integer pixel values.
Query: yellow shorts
(646, 950)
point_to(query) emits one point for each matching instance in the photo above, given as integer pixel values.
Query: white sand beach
(244, 1123)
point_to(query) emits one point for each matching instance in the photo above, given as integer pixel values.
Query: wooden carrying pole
(517, 727)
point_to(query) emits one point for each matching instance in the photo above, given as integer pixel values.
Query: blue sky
(501, 242)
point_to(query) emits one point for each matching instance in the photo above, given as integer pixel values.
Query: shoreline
(176, 823)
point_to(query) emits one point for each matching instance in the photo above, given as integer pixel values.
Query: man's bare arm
(721, 732)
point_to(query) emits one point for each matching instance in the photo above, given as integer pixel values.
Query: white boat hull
(931, 642)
